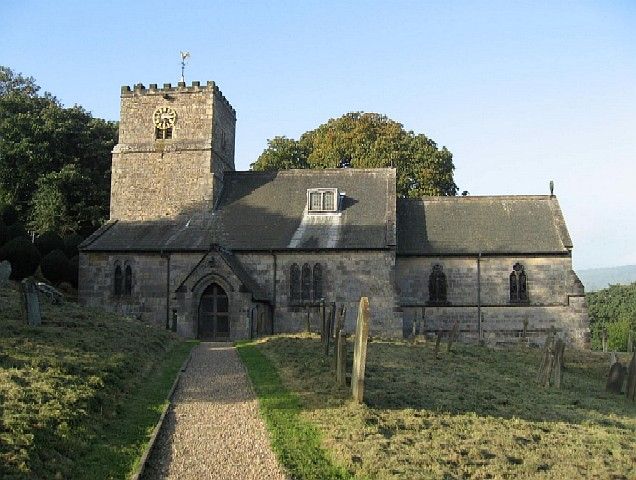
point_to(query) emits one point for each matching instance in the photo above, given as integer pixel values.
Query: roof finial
(551, 188)
(184, 57)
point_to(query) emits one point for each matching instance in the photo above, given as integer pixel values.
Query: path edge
(155, 433)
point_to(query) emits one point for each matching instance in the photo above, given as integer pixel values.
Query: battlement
(181, 87)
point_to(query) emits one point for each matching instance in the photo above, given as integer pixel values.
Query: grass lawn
(80, 394)
(475, 413)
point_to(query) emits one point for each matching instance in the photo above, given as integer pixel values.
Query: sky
(521, 92)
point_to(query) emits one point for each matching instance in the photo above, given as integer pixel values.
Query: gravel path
(213, 428)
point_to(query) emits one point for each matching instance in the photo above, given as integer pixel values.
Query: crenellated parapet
(168, 88)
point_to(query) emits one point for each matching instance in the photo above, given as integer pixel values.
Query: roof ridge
(293, 171)
(478, 197)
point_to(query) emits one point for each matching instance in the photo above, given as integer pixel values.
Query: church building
(215, 254)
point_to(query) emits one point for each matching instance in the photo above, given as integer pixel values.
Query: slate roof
(489, 224)
(266, 211)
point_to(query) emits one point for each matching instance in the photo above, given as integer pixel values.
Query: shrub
(73, 271)
(17, 230)
(8, 214)
(55, 267)
(22, 255)
(49, 241)
(4, 234)
(71, 243)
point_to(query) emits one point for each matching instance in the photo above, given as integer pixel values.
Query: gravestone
(438, 341)
(341, 359)
(30, 303)
(615, 378)
(453, 335)
(5, 272)
(551, 369)
(612, 359)
(559, 350)
(360, 350)
(52, 295)
(630, 390)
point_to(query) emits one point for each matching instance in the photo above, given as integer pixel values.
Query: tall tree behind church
(54, 161)
(367, 140)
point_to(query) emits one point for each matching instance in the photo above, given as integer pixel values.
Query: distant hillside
(598, 278)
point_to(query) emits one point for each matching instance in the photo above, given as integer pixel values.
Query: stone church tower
(175, 143)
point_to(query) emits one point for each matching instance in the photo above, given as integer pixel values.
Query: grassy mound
(79, 395)
(475, 413)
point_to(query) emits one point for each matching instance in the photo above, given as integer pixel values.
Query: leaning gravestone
(5, 272)
(360, 350)
(31, 303)
(630, 391)
(51, 293)
(615, 378)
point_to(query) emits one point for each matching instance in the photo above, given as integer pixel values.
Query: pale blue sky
(520, 92)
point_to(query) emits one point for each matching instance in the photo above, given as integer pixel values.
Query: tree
(65, 202)
(39, 136)
(367, 140)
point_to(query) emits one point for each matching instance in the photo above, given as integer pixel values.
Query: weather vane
(184, 57)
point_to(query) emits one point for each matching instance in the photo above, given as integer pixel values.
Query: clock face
(164, 118)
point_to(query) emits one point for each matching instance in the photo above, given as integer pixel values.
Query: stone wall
(189, 275)
(555, 298)
(148, 299)
(153, 179)
(347, 275)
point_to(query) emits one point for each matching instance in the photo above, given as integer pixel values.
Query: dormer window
(322, 200)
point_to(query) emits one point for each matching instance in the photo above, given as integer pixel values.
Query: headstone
(453, 335)
(615, 378)
(360, 350)
(630, 390)
(30, 303)
(559, 350)
(52, 295)
(322, 320)
(5, 272)
(546, 359)
(438, 341)
(341, 359)
(612, 359)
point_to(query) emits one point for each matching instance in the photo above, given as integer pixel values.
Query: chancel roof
(489, 224)
(267, 211)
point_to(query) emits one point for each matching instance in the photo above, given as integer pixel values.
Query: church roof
(489, 224)
(267, 211)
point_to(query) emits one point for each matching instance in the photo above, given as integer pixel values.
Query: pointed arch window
(128, 280)
(294, 283)
(317, 280)
(305, 283)
(118, 280)
(518, 284)
(437, 285)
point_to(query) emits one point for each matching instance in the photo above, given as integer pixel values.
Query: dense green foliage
(475, 413)
(367, 140)
(55, 267)
(613, 309)
(54, 161)
(49, 241)
(76, 401)
(22, 255)
(295, 441)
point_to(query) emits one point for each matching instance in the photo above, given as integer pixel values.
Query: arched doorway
(214, 318)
